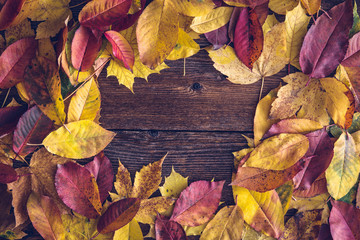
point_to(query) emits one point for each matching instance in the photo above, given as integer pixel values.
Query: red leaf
(325, 233)
(9, 116)
(165, 229)
(320, 153)
(325, 43)
(102, 14)
(84, 49)
(197, 203)
(218, 37)
(7, 174)
(262, 11)
(102, 170)
(78, 190)
(9, 11)
(124, 22)
(14, 60)
(344, 221)
(248, 38)
(32, 127)
(352, 56)
(118, 215)
(121, 48)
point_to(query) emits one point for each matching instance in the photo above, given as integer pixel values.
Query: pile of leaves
(304, 155)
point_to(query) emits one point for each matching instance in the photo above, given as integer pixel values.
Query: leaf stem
(262, 87)
(184, 67)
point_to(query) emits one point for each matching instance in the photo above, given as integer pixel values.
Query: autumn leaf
(147, 180)
(317, 187)
(311, 6)
(248, 37)
(102, 171)
(123, 184)
(303, 225)
(352, 55)
(168, 229)
(185, 47)
(85, 103)
(9, 117)
(218, 37)
(9, 11)
(7, 153)
(285, 193)
(344, 169)
(278, 152)
(52, 14)
(306, 204)
(42, 83)
(102, 14)
(130, 231)
(245, 3)
(45, 217)
(78, 140)
(270, 62)
(149, 208)
(14, 60)
(7, 174)
(193, 8)
(157, 32)
(174, 184)
(344, 221)
(77, 188)
(118, 215)
(227, 224)
(32, 128)
(251, 234)
(39, 178)
(262, 211)
(281, 6)
(19, 31)
(197, 203)
(325, 43)
(296, 22)
(211, 21)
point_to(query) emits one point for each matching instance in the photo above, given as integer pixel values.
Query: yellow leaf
(296, 22)
(239, 155)
(311, 6)
(237, 3)
(78, 227)
(344, 168)
(193, 7)
(343, 76)
(7, 153)
(337, 101)
(262, 211)
(46, 49)
(185, 47)
(22, 92)
(130, 231)
(123, 184)
(278, 152)
(281, 6)
(227, 224)
(213, 20)
(262, 123)
(78, 140)
(194, 231)
(285, 192)
(269, 23)
(19, 31)
(123, 75)
(308, 101)
(270, 62)
(174, 184)
(157, 32)
(45, 217)
(147, 180)
(149, 208)
(251, 234)
(52, 13)
(306, 204)
(85, 103)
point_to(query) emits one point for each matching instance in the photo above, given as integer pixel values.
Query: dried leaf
(9, 11)
(7, 174)
(123, 184)
(77, 188)
(168, 229)
(193, 8)
(245, 3)
(325, 43)
(218, 37)
(118, 215)
(281, 6)
(149, 208)
(19, 31)
(311, 6)
(213, 20)
(227, 224)
(14, 60)
(296, 125)
(130, 231)
(344, 169)
(197, 203)
(78, 140)
(147, 180)
(306, 204)
(45, 217)
(9, 117)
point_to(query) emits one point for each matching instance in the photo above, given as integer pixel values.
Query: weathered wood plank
(199, 155)
(201, 100)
